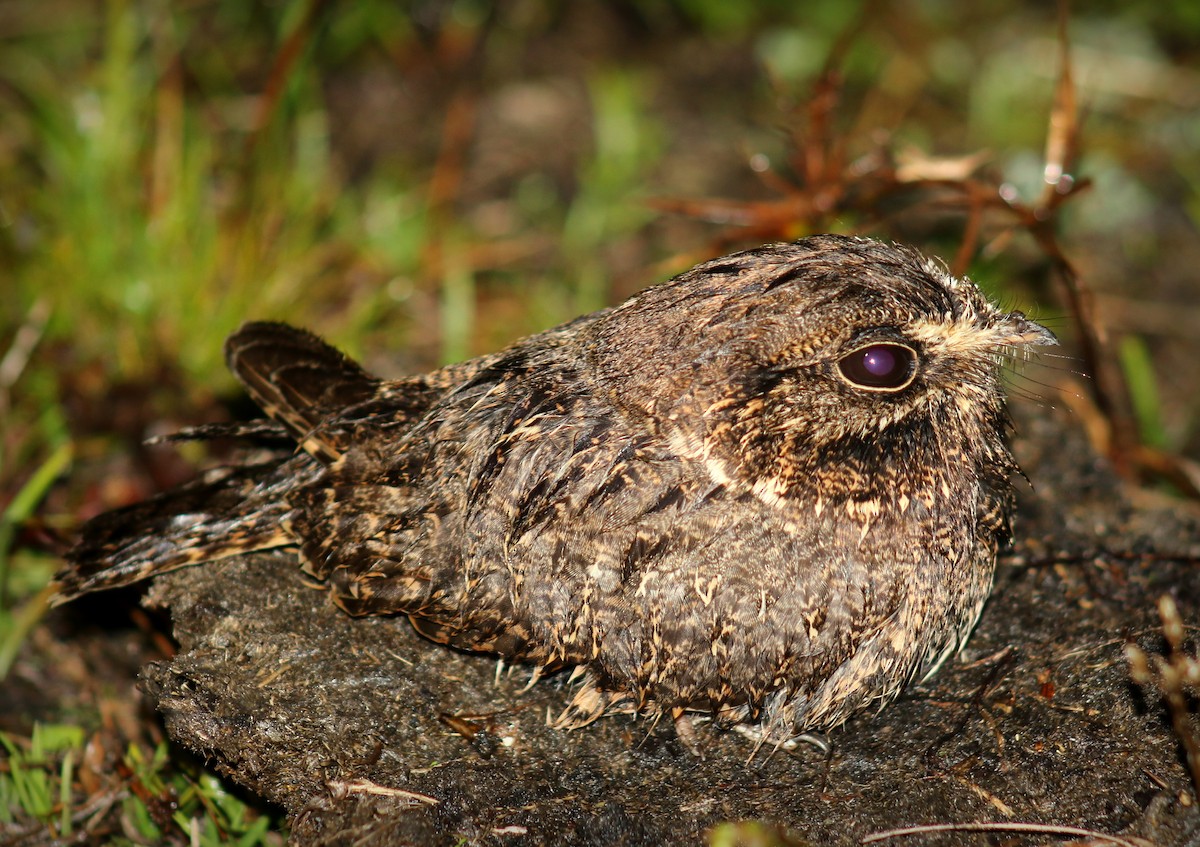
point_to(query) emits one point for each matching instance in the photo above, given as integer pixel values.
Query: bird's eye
(882, 367)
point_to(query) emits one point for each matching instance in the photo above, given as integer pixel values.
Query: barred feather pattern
(770, 489)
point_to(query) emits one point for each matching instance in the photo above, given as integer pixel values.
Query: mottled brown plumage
(769, 489)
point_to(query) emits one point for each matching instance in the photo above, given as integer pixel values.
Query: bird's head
(841, 362)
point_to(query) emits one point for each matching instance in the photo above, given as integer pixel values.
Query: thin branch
(1002, 826)
(1172, 675)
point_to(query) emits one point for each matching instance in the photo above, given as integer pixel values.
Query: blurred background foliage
(427, 180)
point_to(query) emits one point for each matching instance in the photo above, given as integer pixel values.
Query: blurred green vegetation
(423, 181)
(169, 170)
(158, 802)
(164, 204)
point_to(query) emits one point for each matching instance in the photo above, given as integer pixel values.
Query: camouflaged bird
(770, 489)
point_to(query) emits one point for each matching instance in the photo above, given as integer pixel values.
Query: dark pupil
(879, 366)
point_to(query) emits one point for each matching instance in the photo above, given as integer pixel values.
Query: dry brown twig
(1097, 838)
(1173, 675)
(20, 350)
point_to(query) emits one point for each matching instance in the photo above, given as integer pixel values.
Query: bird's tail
(300, 382)
(226, 512)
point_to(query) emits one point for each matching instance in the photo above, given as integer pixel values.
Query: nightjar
(770, 489)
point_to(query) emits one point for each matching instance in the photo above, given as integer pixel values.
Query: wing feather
(299, 381)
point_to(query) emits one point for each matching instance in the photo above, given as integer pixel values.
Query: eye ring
(881, 366)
